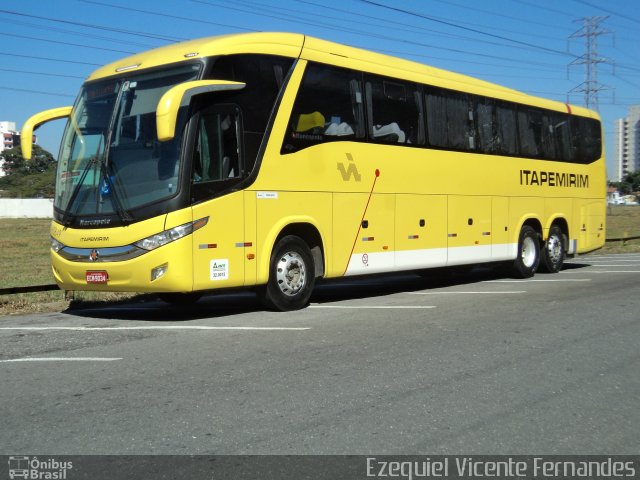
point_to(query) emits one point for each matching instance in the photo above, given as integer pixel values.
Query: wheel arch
(304, 228)
(534, 223)
(562, 223)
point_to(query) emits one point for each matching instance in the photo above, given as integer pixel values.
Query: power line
(399, 40)
(502, 15)
(608, 10)
(46, 74)
(455, 25)
(591, 87)
(166, 15)
(17, 55)
(538, 6)
(55, 94)
(389, 21)
(77, 34)
(15, 35)
(96, 27)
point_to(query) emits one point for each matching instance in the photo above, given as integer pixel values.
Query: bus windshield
(111, 161)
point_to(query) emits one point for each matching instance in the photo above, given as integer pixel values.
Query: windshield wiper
(123, 214)
(66, 216)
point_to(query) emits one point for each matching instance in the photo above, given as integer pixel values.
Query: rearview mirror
(180, 96)
(26, 135)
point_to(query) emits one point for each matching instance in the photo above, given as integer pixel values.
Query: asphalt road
(471, 364)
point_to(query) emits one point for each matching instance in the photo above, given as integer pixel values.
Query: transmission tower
(590, 31)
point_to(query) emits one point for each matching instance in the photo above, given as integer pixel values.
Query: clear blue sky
(50, 46)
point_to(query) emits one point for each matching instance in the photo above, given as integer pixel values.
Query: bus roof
(309, 48)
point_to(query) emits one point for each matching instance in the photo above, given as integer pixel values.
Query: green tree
(28, 179)
(633, 179)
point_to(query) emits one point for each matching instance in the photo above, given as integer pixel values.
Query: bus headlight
(56, 245)
(168, 236)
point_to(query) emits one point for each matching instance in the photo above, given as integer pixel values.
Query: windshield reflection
(111, 161)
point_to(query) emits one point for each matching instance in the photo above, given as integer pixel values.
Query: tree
(633, 179)
(27, 179)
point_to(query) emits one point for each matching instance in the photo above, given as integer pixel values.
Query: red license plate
(100, 276)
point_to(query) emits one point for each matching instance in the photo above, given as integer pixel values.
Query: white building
(9, 138)
(7, 131)
(627, 132)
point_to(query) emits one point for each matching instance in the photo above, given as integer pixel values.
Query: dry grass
(622, 221)
(24, 261)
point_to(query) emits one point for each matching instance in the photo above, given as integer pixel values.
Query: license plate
(97, 276)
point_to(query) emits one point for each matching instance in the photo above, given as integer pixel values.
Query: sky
(536, 46)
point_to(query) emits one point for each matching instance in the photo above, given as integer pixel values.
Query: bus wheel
(180, 298)
(528, 259)
(553, 251)
(291, 276)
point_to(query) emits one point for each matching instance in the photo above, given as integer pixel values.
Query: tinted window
(587, 140)
(329, 107)
(488, 139)
(217, 151)
(394, 111)
(264, 76)
(507, 126)
(450, 120)
(529, 132)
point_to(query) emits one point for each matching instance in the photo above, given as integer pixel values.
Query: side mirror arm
(180, 96)
(26, 135)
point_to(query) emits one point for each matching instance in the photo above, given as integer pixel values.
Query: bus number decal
(219, 269)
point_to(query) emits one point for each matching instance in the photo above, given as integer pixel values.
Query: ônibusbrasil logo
(38, 469)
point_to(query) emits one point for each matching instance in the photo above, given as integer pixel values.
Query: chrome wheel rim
(291, 274)
(528, 253)
(554, 249)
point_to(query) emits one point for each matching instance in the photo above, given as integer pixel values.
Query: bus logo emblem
(94, 255)
(351, 170)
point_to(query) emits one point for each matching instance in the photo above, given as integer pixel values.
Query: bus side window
(489, 141)
(529, 132)
(450, 120)
(506, 123)
(562, 137)
(586, 139)
(216, 154)
(394, 111)
(329, 107)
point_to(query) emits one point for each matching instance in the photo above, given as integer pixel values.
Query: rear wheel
(291, 276)
(553, 251)
(528, 259)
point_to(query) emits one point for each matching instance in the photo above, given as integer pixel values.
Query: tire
(180, 298)
(553, 251)
(526, 263)
(291, 276)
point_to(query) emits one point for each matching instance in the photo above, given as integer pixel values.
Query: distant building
(627, 131)
(10, 138)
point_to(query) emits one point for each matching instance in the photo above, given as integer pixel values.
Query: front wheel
(553, 251)
(291, 276)
(528, 259)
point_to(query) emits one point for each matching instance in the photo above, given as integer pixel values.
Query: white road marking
(465, 293)
(540, 280)
(626, 264)
(366, 307)
(156, 327)
(605, 271)
(61, 359)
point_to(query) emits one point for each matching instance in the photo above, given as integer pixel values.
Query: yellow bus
(270, 160)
